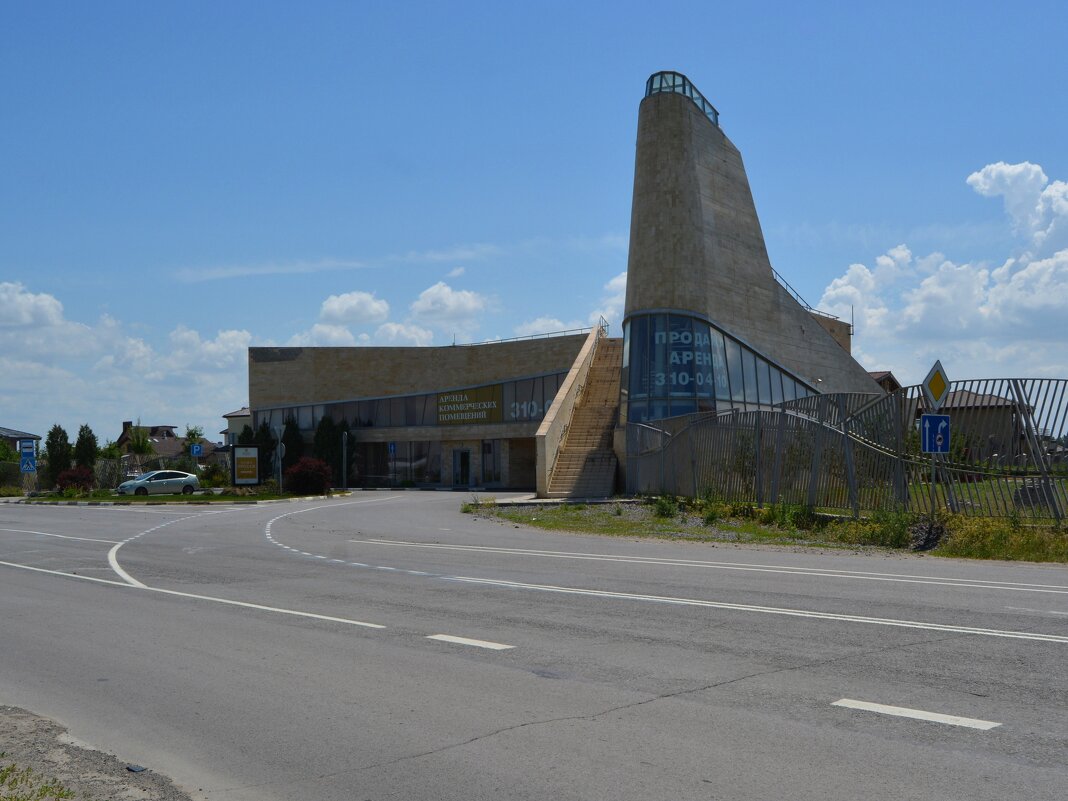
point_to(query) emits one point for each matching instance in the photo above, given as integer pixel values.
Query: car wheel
(140, 491)
(187, 489)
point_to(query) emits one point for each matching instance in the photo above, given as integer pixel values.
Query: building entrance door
(461, 468)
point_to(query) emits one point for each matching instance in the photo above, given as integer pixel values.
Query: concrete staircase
(586, 464)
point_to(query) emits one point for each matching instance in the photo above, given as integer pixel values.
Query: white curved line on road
(770, 610)
(800, 571)
(113, 559)
(60, 536)
(194, 596)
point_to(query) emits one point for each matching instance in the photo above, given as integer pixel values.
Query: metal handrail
(677, 83)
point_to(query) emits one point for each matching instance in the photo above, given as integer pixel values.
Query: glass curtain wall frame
(675, 364)
(524, 400)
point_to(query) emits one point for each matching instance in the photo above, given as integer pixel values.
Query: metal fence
(1008, 454)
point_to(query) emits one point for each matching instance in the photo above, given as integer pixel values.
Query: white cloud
(19, 307)
(400, 334)
(1038, 209)
(354, 307)
(612, 303)
(457, 253)
(71, 372)
(323, 335)
(200, 274)
(456, 272)
(979, 322)
(544, 325)
(449, 309)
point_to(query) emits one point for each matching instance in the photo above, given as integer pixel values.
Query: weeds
(665, 506)
(477, 504)
(25, 785)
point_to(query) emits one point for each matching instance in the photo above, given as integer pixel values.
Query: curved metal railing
(677, 83)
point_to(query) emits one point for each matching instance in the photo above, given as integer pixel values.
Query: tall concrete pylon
(697, 250)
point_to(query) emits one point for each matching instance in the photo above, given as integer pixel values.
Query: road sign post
(27, 457)
(934, 428)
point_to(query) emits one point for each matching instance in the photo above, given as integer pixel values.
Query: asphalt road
(386, 646)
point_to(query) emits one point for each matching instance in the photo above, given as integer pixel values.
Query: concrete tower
(707, 326)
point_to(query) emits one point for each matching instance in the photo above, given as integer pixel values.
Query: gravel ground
(30, 741)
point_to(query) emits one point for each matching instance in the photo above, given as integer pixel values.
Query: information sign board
(246, 465)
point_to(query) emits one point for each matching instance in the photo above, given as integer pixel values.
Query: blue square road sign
(934, 433)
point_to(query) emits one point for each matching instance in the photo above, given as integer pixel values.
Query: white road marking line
(802, 571)
(917, 714)
(493, 646)
(194, 596)
(1040, 611)
(113, 560)
(60, 536)
(771, 610)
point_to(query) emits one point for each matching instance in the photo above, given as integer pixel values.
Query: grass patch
(708, 520)
(23, 784)
(985, 538)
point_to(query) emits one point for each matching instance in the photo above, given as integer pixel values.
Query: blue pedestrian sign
(393, 449)
(27, 458)
(934, 432)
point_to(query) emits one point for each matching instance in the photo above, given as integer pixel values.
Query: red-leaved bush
(76, 478)
(308, 477)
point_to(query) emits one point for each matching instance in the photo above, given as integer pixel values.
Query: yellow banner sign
(246, 466)
(470, 406)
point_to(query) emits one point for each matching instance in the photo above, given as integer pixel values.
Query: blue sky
(178, 182)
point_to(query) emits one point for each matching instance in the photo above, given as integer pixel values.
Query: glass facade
(677, 83)
(675, 364)
(521, 401)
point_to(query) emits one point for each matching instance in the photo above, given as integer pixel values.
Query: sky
(179, 182)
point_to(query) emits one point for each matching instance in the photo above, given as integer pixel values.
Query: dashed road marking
(917, 714)
(492, 646)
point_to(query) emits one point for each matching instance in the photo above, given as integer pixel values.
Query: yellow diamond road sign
(936, 386)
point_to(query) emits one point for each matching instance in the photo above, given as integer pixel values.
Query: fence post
(850, 466)
(1025, 411)
(776, 470)
(758, 463)
(817, 450)
(901, 489)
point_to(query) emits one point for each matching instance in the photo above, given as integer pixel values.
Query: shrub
(665, 506)
(214, 475)
(75, 478)
(308, 477)
(987, 538)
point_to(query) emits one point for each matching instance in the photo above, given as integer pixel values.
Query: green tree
(247, 436)
(7, 453)
(328, 445)
(109, 451)
(194, 435)
(86, 448)
(264, 438)
(294, 443)
(57, 446)
(139, 441)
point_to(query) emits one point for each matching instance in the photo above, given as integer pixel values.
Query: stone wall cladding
(294, 376)
(696, 245)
